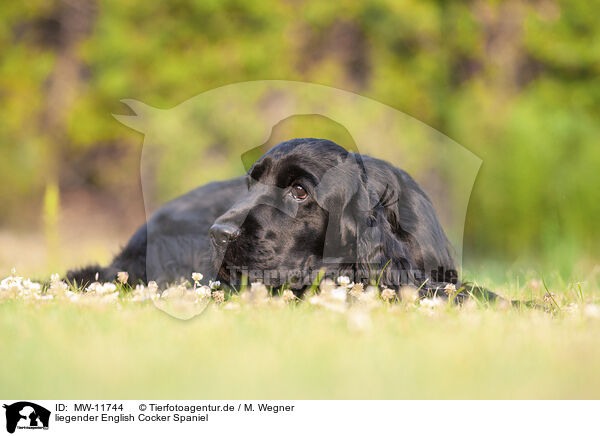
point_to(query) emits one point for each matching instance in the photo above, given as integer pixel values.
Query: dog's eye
(298, 192)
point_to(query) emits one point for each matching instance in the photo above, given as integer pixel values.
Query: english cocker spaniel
(306, 206)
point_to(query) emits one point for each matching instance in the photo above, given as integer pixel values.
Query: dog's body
(189, 216)
(307, 204)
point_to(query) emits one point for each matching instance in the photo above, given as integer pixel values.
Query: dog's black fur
(362, 218)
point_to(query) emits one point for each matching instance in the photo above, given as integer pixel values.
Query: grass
(249, 349)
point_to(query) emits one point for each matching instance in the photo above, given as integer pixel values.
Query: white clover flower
(388, 294)
(338, 294)
(432, 303)
(174, 292)
(343, 280)
(152, 287)
(92, 286)
(12, 282)
(139, 293)
(10, 287)
(368, 299)
(331, 298)
(327, 285)
(203, 292)
(142, 293)
(57, 288)
(106, 288)
(258, 293)
(288, 296)
(32, 286)
(123, 276)
(430, 306)
(257, 286)
(110, 297)
(356, 289)
(218, 296)
(214, 285)
(450, 289)
(102, 288)
(196, 276)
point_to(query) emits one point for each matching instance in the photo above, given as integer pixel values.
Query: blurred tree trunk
(73, 22)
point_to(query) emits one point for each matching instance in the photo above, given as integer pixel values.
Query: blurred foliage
(516, 82)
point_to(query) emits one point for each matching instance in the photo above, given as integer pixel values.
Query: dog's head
(311, 205)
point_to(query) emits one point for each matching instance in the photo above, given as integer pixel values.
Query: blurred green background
(516, 82)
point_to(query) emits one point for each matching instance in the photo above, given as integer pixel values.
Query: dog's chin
(229, 275)
(235, 274)
(232, 272)
(225, 273)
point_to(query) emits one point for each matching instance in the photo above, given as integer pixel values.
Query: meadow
(515, 83)
(343, 342)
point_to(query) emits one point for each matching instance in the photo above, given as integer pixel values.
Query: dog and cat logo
(26, 415)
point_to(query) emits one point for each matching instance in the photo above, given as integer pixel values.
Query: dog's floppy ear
(360, 237)
(407, 232)
(341, 193)
(382, 226)
(384, 253)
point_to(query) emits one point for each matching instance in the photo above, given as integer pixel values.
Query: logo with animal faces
(24, 415)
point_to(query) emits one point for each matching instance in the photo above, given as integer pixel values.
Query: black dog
(306, 205)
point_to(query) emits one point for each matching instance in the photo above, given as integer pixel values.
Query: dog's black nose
(222, 234)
